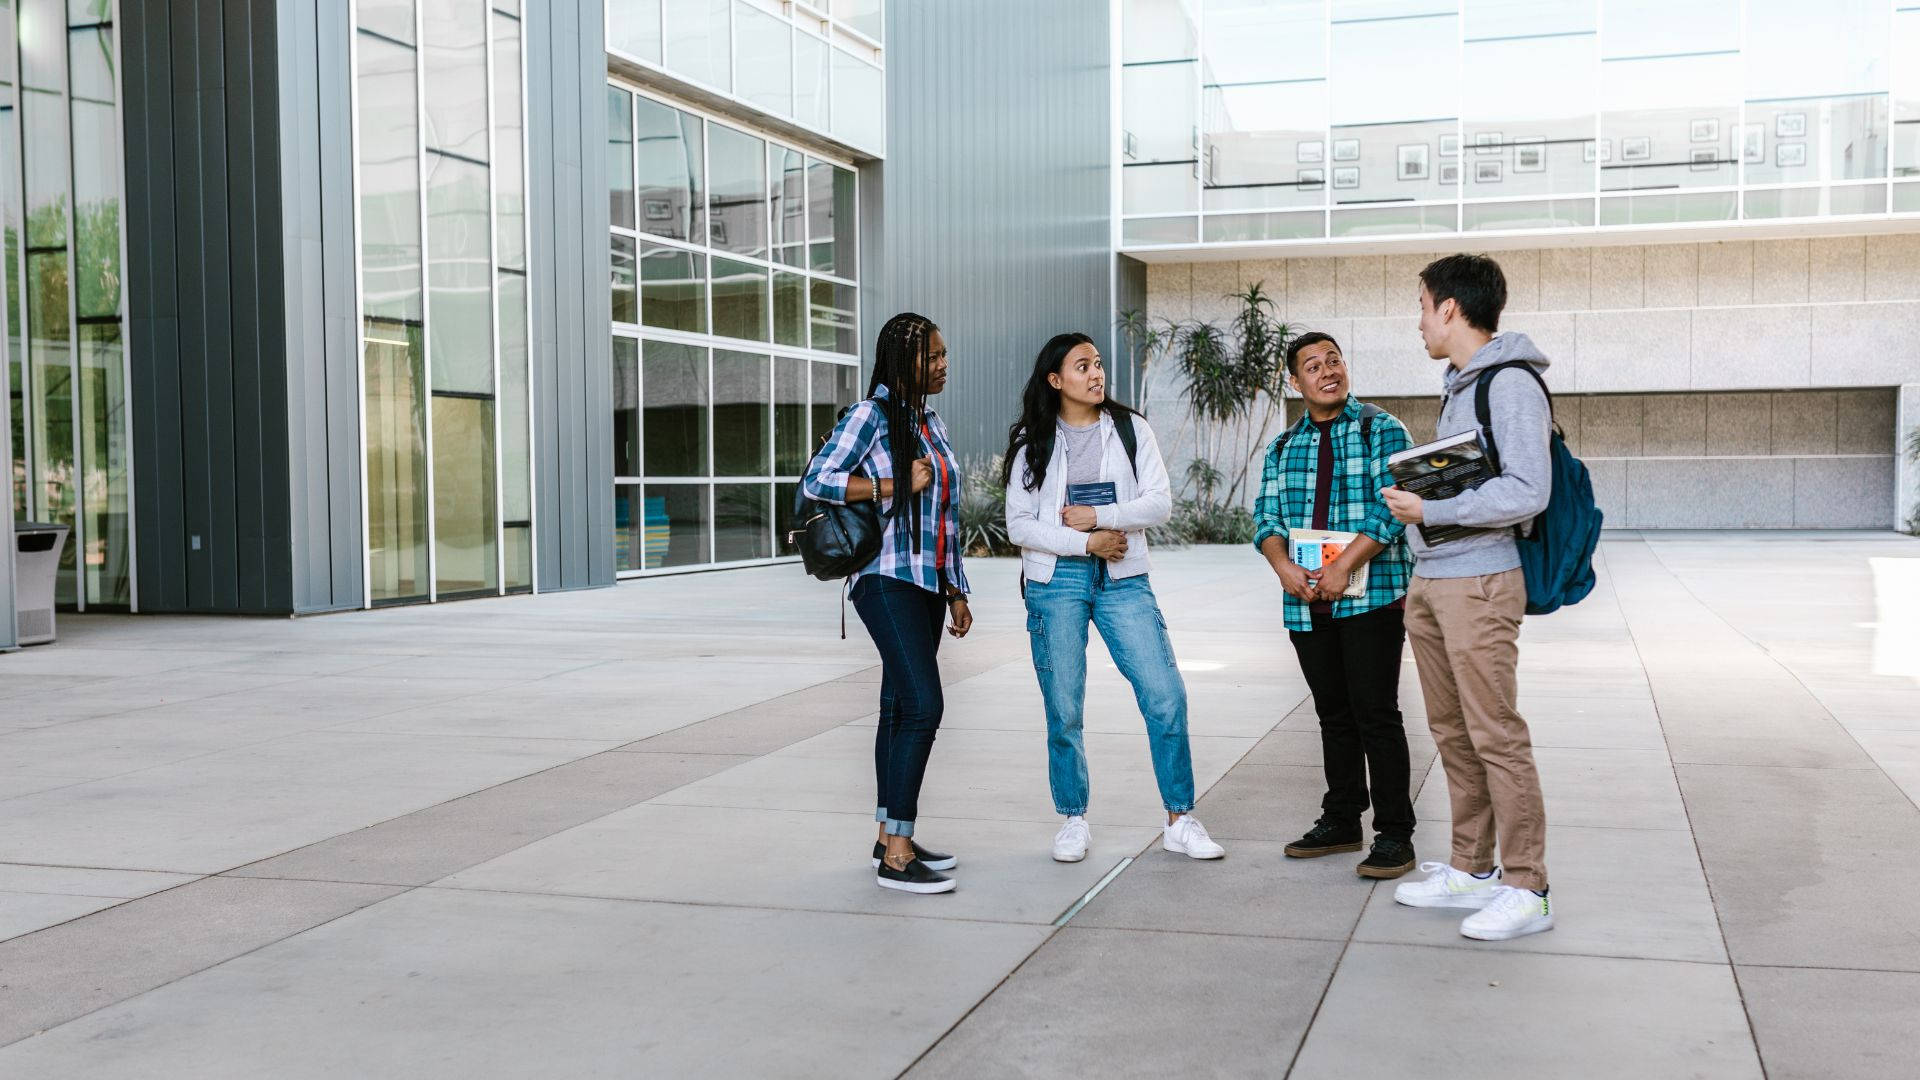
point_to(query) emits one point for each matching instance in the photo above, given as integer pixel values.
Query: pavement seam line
(1105, 880)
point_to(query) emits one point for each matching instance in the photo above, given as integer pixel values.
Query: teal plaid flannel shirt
(1286, 502)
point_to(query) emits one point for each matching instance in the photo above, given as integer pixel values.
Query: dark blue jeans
(904, 621)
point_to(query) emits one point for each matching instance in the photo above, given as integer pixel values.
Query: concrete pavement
(624, 833)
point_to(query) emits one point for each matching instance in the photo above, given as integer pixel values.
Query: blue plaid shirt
(1354, 503)
(859, 445)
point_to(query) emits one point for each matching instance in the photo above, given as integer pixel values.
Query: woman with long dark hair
(891, 447)
(1084, 482)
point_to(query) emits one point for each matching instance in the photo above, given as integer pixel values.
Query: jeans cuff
(1082, 812)
(899, 828)
(1188, 809)
(880, 814)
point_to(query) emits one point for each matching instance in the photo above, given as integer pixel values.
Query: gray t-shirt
(1083, 452)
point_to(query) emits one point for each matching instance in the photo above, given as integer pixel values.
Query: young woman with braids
(1085, 561)
(916, 582)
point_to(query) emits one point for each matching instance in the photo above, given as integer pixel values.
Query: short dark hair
(1314, 337)
(1472, 281)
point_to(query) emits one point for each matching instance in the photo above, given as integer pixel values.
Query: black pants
(1352, 666)
(905, 622)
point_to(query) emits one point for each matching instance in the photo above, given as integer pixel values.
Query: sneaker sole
(1057, 857)
(938, 864)
(1507, 935)
(915, 887)
(1179, 850)
(1466, 900)
(1293, 852)
(1383, 873)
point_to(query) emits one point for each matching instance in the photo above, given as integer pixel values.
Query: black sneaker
(1389, 858)
(1325, 839)
(933, 859)
(916, 878)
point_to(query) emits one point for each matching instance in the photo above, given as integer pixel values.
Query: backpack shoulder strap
(1292, 429)
(1129, 439)
(1367, 413)
(1483, 411)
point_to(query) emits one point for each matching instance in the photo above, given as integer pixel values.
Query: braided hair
(899, 364)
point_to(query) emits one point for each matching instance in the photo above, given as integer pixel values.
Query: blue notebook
(1100, 494)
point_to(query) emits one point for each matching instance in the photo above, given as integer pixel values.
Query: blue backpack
(1557, 554)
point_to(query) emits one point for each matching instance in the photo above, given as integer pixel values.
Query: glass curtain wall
(1265, 120)
(735, 307)
(441, 159)
(65, 310)
(818, 64)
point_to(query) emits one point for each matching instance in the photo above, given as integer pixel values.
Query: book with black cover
(1440, 470)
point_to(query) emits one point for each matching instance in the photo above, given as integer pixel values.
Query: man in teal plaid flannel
(1325, 473)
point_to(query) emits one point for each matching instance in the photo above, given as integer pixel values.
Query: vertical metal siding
(996, 215)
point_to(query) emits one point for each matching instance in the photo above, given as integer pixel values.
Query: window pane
(1160, 230)
(103, 401)
(388, 18)
(1258, 131)
(739, 300)
(509, 157)
(1798, 141)
(739, 191)
(679, 529)
(675, 400)
(859, 101)
(464, 525)
(789, 308)
(517, 542)
(866, 16)
(633, 27)
(1158, 30)
(396, 460)
(623, 287)
(1664, 28)
(831, 218)
(1906, 92)
(1158, 104)
(743, 522)
(672, 177)
(1146, 189)
(620, 157)
(515, 453)
(43, 121)
(836, 325)
(790, 448)
(788, 172)
(1669, 121)
(765, 57)
(389, 182)
(810, 57)
(673, 288)
(1389, 114)
(626, 407)
(455, 52)
(697, 41)
(1544, 136)
(1301, 224)
(96, 175)
(629, 528)
(741, 401)
(834, 388)
(459, 276)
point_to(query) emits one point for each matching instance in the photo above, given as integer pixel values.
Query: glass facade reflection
(1273, 120)
(65, 310)
(735, 307)
(441, 161)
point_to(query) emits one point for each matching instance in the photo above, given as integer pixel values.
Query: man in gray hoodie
(1464, 608)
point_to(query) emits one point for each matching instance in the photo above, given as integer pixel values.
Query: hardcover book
(1442, 469)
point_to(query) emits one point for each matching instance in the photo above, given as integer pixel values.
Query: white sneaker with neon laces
(1186, 836)
(1070, 843)
(1446, 887)
(1511, 913)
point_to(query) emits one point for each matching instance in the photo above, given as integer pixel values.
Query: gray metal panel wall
(322, 341)
(996, 191)
(572, 322)
(207, 312)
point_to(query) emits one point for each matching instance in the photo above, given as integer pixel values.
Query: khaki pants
(1465, 634)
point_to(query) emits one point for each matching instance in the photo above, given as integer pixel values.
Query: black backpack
(836, 540)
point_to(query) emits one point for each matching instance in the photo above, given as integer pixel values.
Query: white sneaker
(1186, 836)
(1446, 887)
(1512, 913)
(1070, 843)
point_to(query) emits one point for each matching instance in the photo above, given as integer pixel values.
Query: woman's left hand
(962, 618)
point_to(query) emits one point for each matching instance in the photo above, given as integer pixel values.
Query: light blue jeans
(1130, 623)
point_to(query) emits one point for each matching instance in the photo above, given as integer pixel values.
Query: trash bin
(36, 566)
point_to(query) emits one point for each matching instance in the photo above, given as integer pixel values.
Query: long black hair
(900, 365)
(1040, 411)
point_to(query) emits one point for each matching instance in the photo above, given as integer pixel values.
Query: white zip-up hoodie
(1033, 517)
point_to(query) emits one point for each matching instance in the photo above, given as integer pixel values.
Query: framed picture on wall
(1704, 159)
(1597, 150)
(657, 209)
(1346, 177)
(1449, 174)
(1530, 155)
(1636, 148)
(1310, 152)
(1790, 155)
(1790, 125)
(1486, 172)
(1488, 142)
(1703, 131)
(1346, 149)
(1753, 143)
(1413, 161)
(1312, 178)
(1449, 146)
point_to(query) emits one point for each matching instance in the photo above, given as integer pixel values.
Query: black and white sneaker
(916, 878)
(933, 859)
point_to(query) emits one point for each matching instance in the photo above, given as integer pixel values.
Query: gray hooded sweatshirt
(1522, 424)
